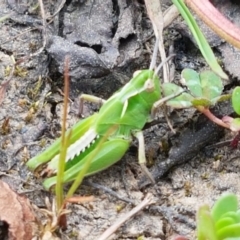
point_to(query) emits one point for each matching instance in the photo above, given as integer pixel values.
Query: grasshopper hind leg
(142, 156)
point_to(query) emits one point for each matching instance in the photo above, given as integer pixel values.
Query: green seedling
(127, 111)
(236, 100)
(203, 91)
(234, 123)
(222, 222)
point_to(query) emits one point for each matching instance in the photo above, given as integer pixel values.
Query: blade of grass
(200, 38)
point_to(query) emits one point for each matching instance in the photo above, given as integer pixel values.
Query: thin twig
(58, 9)
(44, 30)
(19, 35)
(36, 188)
(169, 15)
(146, 202)
(90, 11)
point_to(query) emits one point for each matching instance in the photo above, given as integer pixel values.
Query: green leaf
(236, 100)
(191, 79)
(206, 86)
(200, 39)
(182, 101)
(226, 203)
(224, 97)
(231, 231)
(201, 102)
(205, 225)
(234, 215)
(224, 222)
(179, 102)
(211, 83)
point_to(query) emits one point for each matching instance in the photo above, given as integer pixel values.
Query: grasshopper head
(149, 85)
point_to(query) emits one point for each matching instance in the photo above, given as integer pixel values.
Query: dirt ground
(106, 42)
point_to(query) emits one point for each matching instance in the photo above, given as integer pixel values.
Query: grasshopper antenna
(154, 56)
(162, 63)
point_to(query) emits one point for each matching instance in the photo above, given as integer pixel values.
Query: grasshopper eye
(149, 86)
(136, 73)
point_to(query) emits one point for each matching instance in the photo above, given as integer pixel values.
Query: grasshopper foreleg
(89, 98)
(160, 102)
(142, 156)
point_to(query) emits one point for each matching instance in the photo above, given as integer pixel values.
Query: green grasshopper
(129, 109)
